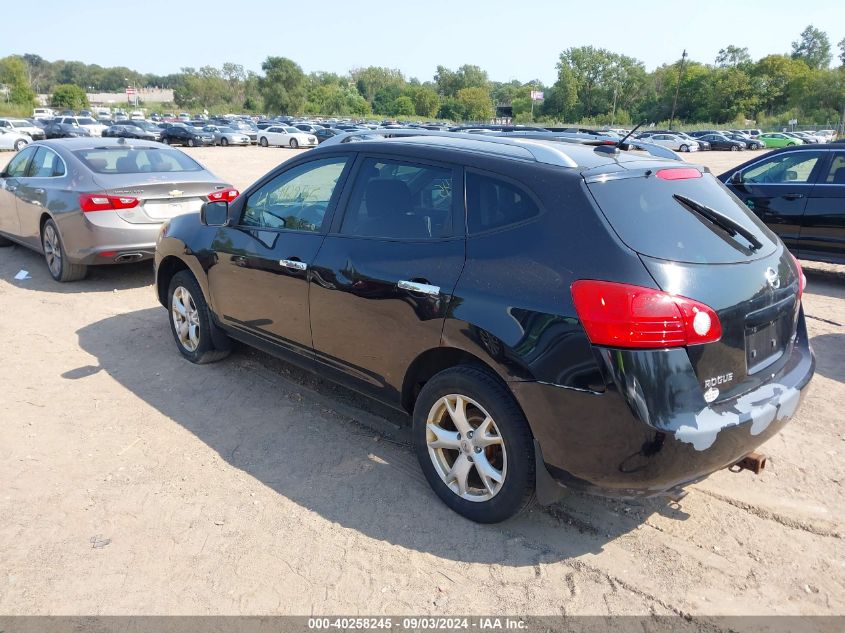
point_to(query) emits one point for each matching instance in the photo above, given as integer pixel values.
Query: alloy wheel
(52, 250)
(185, 318)
(466, 448)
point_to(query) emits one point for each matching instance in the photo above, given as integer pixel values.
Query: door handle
(293, 264)
(415, 286)
(793, 196)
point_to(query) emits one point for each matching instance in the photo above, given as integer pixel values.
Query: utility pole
(677, 88)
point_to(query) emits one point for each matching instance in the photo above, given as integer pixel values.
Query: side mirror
(214, 213)
(736, 178)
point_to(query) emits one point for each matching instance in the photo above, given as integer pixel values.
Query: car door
(259, 279)
(10, 181)
(45, 169)
(383, 280)
(777, 188)
(823, 224)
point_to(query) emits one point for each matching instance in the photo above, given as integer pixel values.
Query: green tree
(841, 46)
(283, 85)
(403, 106)
(69, 96)
(373, 79)
(13, 75)
(733, 56)
(426, 101)
(813, 47)
(776, 77)
(476, 103)
(560, 100)
(451, 109)
(385, 98)
(449, 83)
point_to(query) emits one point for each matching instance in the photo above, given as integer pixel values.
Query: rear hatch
(159, 199)
(697, 240)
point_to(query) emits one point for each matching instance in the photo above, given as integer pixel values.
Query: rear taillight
(678, 173)
(802, 278)
(101, 202)
(621, 315)
(224, 195)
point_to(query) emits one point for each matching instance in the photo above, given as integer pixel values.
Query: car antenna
(614, 149)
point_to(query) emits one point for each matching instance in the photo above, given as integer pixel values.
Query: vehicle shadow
(99, 279)
(291, 432)
(830, 355)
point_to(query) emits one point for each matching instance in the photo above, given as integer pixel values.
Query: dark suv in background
(551, 315)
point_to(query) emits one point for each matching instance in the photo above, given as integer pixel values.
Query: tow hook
(755, 462)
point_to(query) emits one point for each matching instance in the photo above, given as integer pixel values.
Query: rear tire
(734, 148)
(165, 140)
(197, 337)
(224, 141)
(493, 462)
(56, 258)
(20, 144)
(263, 141)
(294, 143)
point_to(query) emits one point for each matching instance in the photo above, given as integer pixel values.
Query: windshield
(85, 121)
(136, 160)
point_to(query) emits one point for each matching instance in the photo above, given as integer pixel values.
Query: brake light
(622, 315)
(802, 278)
(224, 195)
(101, 202)
(678, 173)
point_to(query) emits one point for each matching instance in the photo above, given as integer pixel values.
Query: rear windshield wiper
(729, 225)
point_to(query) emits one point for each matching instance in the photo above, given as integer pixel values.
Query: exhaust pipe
(128, 257)
(755, 462)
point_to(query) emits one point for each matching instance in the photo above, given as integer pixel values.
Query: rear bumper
(651, 431)
(88, 237)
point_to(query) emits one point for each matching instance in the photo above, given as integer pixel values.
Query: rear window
(650, 220)
(139, 160)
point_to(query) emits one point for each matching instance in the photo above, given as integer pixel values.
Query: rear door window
(493, 202)
(46, 164)
(836, 173)
(648, 217)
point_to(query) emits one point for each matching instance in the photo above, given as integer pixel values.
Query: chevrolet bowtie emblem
(175, 193)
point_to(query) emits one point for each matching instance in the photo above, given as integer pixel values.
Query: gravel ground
(134, 482)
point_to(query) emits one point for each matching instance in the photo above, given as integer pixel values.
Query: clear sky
(509, 39)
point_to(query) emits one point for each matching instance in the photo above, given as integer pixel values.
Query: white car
(670, 141)
(43, 113)
(88, 123)
(9, 139)
(829, 135)
(23, 127)
(285, 136)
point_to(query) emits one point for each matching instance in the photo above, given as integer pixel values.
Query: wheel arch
(166, 270)
(433, 361)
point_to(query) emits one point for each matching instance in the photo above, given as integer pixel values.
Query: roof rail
(537, 147)
(535, 150)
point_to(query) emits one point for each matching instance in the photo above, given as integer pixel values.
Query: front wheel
(55, 255)
(263, 141)
(734, 148)
(224, 141)
(191, 142)
(165, 140)
(684, 148)
(294, 143)
(474, 445)
(197, 337)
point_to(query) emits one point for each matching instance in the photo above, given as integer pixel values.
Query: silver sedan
(227, 136)
(84, 201)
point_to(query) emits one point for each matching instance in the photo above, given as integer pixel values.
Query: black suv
(184, 135)
(799, 192)
(551, 315)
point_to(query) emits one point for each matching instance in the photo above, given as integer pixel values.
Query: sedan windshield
(136, 160)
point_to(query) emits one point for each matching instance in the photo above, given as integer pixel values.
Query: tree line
(593, 86)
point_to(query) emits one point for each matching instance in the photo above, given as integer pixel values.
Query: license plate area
(164, 210)
(766, 343)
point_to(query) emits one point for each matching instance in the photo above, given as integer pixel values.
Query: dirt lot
(134, 482)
